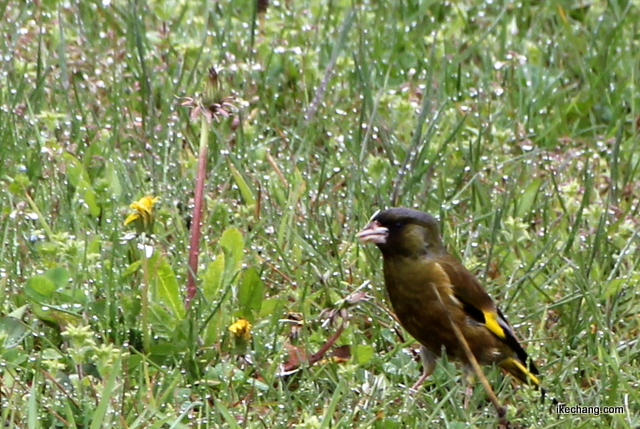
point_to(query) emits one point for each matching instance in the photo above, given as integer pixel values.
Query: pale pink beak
(374, 232)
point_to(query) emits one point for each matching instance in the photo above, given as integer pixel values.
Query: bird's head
(403, 232)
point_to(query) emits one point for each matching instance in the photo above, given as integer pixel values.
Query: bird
(433, 295)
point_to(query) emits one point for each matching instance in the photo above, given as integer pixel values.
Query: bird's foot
(417, 384)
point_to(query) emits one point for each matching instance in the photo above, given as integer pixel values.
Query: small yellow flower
(143, 210)
(241, 329)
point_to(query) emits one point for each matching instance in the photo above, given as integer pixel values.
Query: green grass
(516, 124)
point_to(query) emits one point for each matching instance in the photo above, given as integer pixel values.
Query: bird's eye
(397, 225)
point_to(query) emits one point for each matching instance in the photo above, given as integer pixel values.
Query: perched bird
(430, 290)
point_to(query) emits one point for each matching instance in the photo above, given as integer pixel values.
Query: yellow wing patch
(491, 322)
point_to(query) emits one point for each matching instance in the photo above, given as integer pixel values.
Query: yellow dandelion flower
(241, 329)
(143, 210)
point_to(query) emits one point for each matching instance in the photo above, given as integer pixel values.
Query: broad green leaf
(14, 331)
(79, 178)
(59, 276)
(233, 245)
(45, 313)
(210, 334)
(165, 349)
(364, 353)
(99, 308)
(16, 356)
(75, 170)
(162, 320)
(616, 285)
(250, 293)
(181, 335)
(270, 306)
(132, 268)
(91, 201)
(40, 288)
(213, 278)
(19, 183)
(259, 384)
(18, 313)
(167, 289)
(112, 177)
(73, 296)
(51, 354)
(94, 246)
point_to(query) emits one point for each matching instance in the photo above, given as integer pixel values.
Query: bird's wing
(478, 305)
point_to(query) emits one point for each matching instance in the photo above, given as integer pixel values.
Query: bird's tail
(520, 372)
(525, 376)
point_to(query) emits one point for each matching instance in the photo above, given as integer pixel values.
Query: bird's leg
(470, 379)
(428, 364)
(422, 378)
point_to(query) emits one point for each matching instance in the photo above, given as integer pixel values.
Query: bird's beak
(374, 233)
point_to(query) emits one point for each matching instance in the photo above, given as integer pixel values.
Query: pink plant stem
(196, 221)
